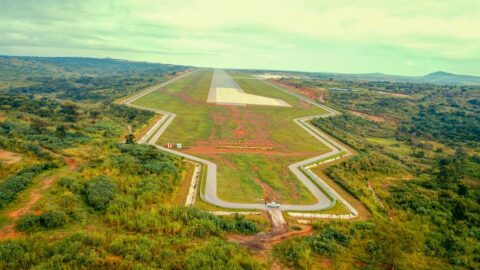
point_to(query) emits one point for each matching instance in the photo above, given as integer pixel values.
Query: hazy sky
(398, 37)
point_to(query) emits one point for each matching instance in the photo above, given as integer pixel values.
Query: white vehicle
(273, 205)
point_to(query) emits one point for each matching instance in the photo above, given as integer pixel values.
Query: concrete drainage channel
(326, 198)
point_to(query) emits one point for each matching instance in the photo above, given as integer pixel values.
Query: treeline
(14, 67)
(36, 123)
(82, 88)
(133, 116)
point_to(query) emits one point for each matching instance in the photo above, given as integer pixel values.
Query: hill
(31, 66)
(441, 77)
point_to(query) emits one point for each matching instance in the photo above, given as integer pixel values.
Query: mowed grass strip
(192, 122)
(240, 175)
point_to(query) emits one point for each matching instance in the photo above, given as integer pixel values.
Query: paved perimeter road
(299, 168)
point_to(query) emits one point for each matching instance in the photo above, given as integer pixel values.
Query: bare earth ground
(397, 95)
(35, 195)
(316, 94)
(374, 118)
(9, 157)
(278, 233)
(262, 243)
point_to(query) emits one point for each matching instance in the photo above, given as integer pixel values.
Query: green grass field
(243, 176)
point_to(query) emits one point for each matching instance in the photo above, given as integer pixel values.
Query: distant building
(179, 146)
(339, 89)
(169, 145)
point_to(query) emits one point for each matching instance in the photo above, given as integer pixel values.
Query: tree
(61, 131)
(452, 170)
(459, 211)
(94, 115)
(69, 109)
(39, 126)
(130, 139)
(99, 192)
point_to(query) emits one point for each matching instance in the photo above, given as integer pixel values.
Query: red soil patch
(187, 99)
(35, 195)
(239, 132)
(9, 157)
(71, 163)
(229, 164)
(265, 241)
(374, 118)
(270, 194)
(327, 263)
(304, 104)
(250, 134)
(8, 232)
(317, 94)
(211, 150)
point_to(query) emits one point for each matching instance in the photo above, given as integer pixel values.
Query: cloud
(309, 34)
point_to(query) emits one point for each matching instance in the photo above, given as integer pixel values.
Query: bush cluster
(99, 192)
(46, 220)
(12, 185)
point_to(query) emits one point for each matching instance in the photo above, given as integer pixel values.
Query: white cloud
(248, 29)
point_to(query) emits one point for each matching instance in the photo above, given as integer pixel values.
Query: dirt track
(35, 195)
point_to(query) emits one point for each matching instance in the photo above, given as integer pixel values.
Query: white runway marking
(225, 91)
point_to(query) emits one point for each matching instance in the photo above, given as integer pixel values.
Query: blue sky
(396, 37)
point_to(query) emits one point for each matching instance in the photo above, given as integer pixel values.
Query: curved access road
(325, 198)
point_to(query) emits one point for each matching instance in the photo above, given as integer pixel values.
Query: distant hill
(31, 66)
(441, 77)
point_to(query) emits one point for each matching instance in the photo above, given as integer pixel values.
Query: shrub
(28, 222)
(47, 220)
(52, 219)
(99, 192)
(295, 254)
(220, 255)
(245, 226)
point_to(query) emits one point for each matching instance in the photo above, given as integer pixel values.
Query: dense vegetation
(416, 169)
(115, 211)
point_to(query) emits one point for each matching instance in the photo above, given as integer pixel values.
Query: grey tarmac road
(325, 198)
